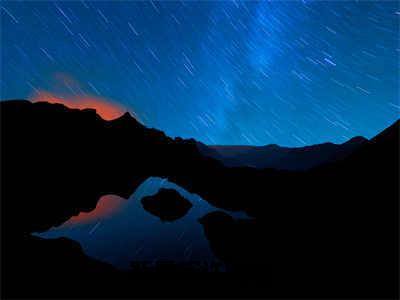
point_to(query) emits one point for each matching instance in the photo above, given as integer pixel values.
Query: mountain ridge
(328, 231)
(279, 157)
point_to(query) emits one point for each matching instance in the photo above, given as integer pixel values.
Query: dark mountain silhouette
(331, 231)
(167, 204)
(282, 158)
(333, 214)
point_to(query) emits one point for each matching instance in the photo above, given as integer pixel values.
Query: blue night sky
(290, 73)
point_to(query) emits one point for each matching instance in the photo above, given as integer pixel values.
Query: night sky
(288, 73)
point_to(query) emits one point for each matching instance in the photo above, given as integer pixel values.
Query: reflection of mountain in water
(133, 234)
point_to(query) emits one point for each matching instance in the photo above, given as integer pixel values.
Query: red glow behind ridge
(104, 108)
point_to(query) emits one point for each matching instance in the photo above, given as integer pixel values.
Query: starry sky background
(289, 73)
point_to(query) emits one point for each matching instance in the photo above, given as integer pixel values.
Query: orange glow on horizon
(104, 108)
(106, 206)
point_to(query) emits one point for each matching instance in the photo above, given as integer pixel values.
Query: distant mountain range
(281, 158)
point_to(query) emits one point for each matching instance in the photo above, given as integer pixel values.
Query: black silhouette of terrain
(281, 158)
(236, 242)
(167, 204)
(328, 232)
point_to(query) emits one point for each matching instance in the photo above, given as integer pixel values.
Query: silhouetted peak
(273, 146)
(127, 118)
(127, 115)
(357, 140)
(391, 129)
(390, 134)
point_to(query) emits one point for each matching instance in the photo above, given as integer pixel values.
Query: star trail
(288, 73)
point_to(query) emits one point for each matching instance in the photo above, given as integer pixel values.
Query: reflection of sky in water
(132, 234)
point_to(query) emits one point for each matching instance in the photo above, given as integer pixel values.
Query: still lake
(120, 231)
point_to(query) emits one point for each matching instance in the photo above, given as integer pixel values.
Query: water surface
(120, 231)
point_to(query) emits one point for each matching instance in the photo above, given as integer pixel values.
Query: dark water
(129, 233)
